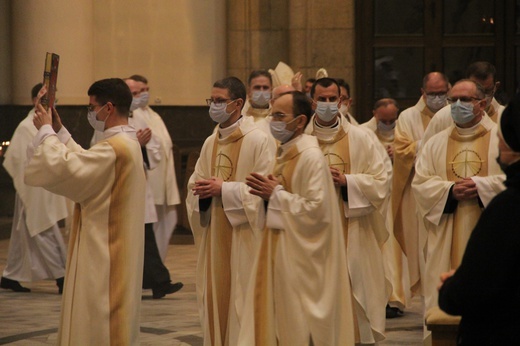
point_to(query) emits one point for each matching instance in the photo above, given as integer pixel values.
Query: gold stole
(265, 329)
(404, 158)
(224, 159)
(467, 157)
(492, 113)
(337, 154)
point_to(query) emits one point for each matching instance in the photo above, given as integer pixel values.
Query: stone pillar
(321, 34)
(53, 26)
(5, 52)
(257, 35)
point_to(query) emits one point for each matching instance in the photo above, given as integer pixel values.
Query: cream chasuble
(408, 133)
(229, 232)
(449, 156)
(353, 152)
(102, 293)
(300, 288)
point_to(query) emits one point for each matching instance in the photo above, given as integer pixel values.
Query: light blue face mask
(382, 127)
(280, 132)
(261, 98)
(462, 112)
(326, 111)
(217, 112)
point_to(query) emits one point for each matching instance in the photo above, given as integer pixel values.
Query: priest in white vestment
(36, 247)
(102, 293)
(299, 292)
(162, 179)
(362, 190)
(408, 134)
(456, 176)
(346, 101)
(227, 220)
(483, 73)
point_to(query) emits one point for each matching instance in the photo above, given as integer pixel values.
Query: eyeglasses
(440, 93)
(279, 116)
(462, 99)
(91, 108)
(218, 102)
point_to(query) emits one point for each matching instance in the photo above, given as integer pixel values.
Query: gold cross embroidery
(466, 160)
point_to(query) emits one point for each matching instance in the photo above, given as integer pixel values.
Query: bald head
(282, 89)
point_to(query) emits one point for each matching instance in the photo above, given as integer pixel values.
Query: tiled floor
(32, 318)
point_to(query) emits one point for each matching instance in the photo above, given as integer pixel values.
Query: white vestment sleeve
(232, 203)
(357, 204)
(153, 150)
(274, 210)
(488, 187)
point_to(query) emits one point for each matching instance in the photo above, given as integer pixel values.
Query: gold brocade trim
(426, 116)
(265, 330)
(467, 156)
(223, 163)
(118, 281)
(337, 155)
(492, 113)
(224, 158)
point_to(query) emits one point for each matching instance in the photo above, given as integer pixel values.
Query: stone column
(60, 27)
(257, 35)
(321, 34)
(5, 52)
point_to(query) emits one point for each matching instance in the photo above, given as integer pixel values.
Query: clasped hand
(262, 186)
(465, 189)
(207, 188)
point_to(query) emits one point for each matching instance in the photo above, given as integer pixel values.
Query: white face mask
(344, 109)
(462, 112)
(261, 98)
(382, 127)
(436, 102)
(326, 111)
(98, 125)
(217, 112)
(280, 132)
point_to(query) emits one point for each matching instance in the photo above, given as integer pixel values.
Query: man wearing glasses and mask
(456, 176)
(226, 219)
(483, 73)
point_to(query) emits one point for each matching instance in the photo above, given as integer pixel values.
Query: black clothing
(485, 289)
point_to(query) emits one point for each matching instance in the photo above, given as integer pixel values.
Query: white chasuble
(102, 292)
(452, 155)
(227, 229)
(353, 152)
(300, 290)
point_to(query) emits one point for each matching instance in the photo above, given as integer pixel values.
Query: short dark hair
(385, 102)
(311, 80)
(235, 87)
(112, 90)
(481, 70)
(138, 78)
(258, 73)
(342, 83)
(35, 89)
(301, 104)
(324, 82)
